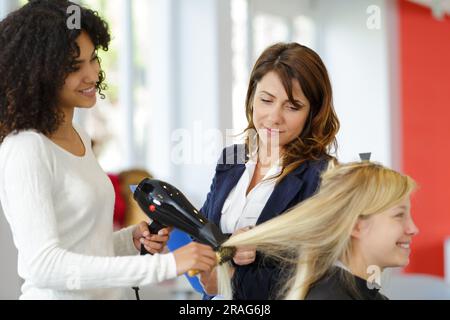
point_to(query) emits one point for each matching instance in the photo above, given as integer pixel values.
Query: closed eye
(293, 108)
(400, 215)
(75, 66)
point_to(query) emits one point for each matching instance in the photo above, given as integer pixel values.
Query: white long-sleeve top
(60, 210)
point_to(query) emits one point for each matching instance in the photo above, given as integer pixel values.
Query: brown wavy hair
(292, 61)
(37, 54)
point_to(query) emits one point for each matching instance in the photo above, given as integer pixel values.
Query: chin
(400, 263)
(86, 105)
(405, 263)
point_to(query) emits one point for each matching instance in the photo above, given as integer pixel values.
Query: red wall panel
(425, 93)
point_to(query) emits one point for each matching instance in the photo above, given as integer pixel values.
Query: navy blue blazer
(260, 279)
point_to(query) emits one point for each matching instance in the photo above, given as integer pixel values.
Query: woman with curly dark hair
(58, 201)
(292, 126)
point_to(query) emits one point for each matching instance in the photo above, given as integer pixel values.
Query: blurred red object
(119, 204)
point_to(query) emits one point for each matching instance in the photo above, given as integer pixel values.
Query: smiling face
(384, 239)
(79, 89)
(278, 120)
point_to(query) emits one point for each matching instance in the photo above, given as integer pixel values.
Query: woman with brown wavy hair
(291, 130)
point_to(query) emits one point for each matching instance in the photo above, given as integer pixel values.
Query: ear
(359, 228)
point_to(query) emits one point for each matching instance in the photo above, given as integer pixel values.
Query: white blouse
(241, 210)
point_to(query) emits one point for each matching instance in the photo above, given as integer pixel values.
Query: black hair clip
(365, 156)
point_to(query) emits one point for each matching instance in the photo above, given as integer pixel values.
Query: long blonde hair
(317, 233)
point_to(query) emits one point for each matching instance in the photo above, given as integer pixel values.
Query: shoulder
(330, 287)
(231, 156)
(23, 143)
(319, 165)
(311, 170)
(25, 154)
(27, 135)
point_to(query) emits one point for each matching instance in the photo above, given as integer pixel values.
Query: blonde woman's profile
(358, 222)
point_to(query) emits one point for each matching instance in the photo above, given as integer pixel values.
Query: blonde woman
(359, 222)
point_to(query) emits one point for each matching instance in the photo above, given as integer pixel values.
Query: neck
(65, 129)
(362, 270)
(358, 265)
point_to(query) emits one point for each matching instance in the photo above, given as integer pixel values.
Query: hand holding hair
(195, 256)
(245, 255)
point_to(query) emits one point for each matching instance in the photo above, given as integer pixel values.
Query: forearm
(123, 242)
(59, 269)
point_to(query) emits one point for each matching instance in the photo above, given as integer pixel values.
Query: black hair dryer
(167, 206)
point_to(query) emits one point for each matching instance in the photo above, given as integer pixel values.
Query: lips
(89, 92)
(273, 131)
(404, 245)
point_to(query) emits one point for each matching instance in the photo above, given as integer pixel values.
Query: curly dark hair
(38, 52)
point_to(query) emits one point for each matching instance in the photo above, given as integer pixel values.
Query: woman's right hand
(208, 280)
(195, 256)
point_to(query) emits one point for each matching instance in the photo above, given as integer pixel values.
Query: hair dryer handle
(154, 227)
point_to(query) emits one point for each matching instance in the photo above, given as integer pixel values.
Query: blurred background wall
(425, 94)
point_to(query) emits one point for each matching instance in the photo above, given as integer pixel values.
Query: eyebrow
(268, 93)
(81, 61)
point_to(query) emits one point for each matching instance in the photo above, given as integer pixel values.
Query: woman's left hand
(244, 255)
(153, 243)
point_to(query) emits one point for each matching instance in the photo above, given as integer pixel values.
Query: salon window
(118, 123)
(264, 23)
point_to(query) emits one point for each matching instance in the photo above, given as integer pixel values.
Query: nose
(92, 74)
(411, 228)
(276, 115)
